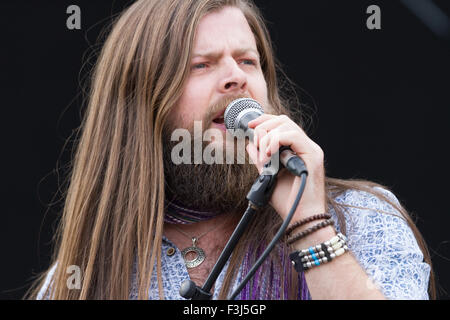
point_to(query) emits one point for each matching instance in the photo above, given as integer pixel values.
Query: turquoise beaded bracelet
(320, 254)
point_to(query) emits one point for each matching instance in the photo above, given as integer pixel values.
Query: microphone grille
(236, 107)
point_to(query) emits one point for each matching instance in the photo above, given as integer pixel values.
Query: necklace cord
(203, 234)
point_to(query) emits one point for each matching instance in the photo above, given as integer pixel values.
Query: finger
(298, 137)
(258, 134)
(252, 124)
(268, 146)
(264, 142)
(253, 155)
(274, 122)
(298, 143)
(274, 146)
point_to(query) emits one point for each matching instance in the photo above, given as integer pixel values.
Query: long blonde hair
(113, 213)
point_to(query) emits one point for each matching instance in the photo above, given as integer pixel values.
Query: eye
(199, 66)
(250, 62)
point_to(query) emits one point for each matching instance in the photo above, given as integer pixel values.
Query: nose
(234, 79)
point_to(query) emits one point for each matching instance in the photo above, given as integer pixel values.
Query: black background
(378, 100)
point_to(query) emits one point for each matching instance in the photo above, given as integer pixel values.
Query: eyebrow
(217, 54)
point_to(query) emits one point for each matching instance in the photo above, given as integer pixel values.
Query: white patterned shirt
(382, 243)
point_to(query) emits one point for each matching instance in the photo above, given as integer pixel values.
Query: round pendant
(197, 260)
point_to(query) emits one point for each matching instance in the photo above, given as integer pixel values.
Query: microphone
(237, 116)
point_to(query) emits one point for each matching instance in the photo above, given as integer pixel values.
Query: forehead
(224, 29)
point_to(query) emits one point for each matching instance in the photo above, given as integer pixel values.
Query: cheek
(192, 103)
(260, 90)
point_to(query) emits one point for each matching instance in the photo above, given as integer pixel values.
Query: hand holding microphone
(268, 133)
(290, 198)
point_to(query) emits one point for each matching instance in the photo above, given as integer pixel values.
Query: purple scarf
(266, 283)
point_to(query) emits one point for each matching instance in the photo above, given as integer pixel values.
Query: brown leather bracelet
(308, 231)
(307, 220)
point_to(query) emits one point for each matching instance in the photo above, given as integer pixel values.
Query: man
(137, 224)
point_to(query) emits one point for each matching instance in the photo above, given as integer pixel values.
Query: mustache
(208, 117)
(219, 106)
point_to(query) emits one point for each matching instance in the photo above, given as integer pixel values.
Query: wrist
(314, 238)
(317, 254)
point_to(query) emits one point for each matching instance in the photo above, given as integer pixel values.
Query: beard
(217, 188)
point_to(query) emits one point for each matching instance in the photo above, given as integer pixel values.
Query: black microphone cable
(274, 241)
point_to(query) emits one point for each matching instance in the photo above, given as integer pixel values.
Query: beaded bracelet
(307, 232)
(306, 259)
(307, 220)
(325, 252)
(333, 243)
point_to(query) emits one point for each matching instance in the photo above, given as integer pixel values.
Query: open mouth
(219, 120)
